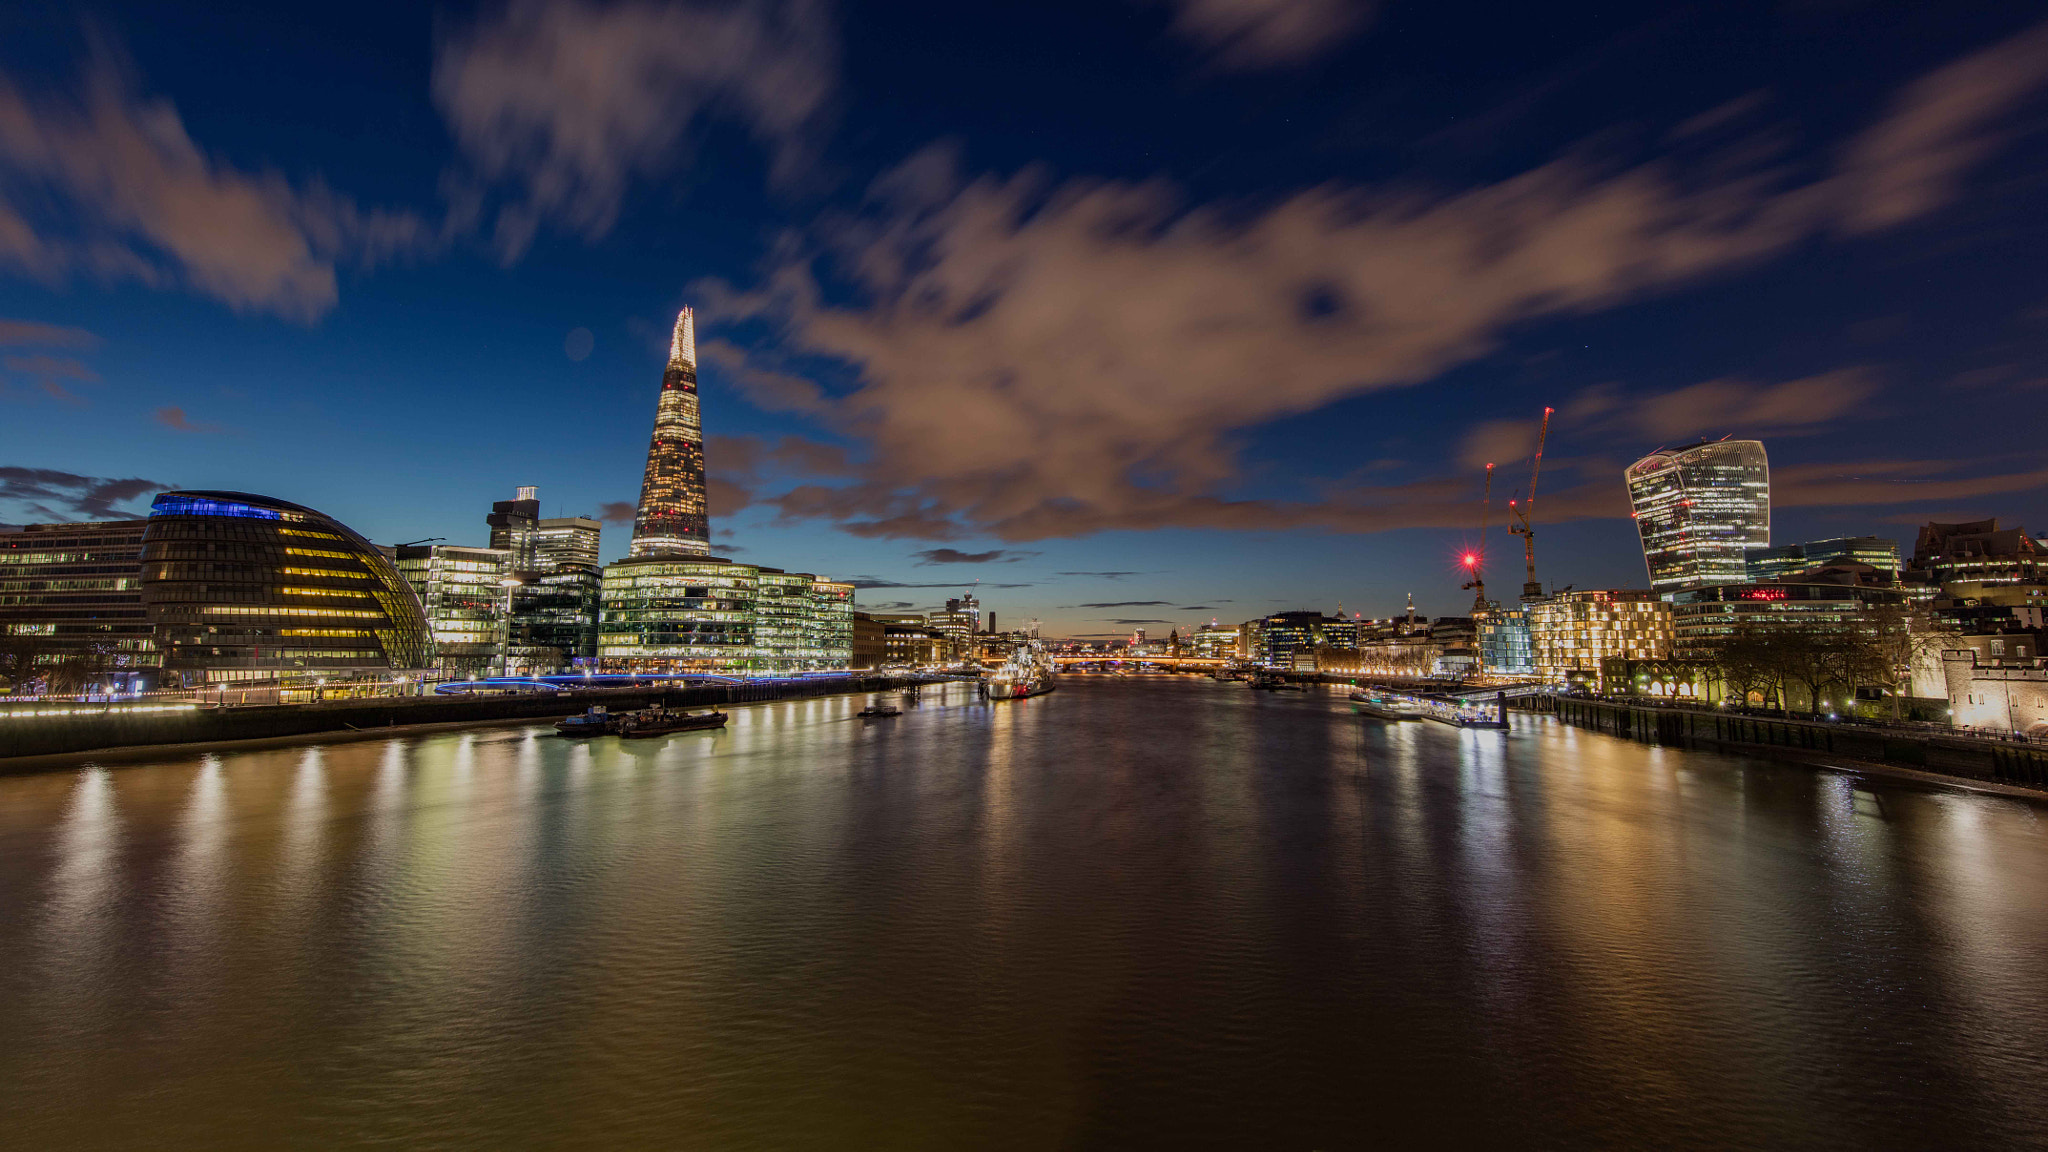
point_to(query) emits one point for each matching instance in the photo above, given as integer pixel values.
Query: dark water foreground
(1130, 914)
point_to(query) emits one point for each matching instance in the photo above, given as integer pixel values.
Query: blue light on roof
(194, 506)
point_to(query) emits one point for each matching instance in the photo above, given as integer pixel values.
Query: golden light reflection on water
(1125, 911)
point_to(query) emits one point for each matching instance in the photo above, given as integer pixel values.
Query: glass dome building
(244, 587)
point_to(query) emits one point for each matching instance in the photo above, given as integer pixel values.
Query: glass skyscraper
(1700, 510)
(672, 519)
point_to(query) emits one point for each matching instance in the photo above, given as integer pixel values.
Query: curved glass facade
(243, 587)
(1700, 510)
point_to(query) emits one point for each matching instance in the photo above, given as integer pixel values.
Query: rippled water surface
(1132, 913)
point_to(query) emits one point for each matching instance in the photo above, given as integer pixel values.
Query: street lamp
(505, 626)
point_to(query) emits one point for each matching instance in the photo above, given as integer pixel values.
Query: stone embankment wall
(34, 730)
(1992, 760)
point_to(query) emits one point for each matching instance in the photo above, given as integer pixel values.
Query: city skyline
(401, 370)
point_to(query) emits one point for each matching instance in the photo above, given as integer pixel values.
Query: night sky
(1157, 311)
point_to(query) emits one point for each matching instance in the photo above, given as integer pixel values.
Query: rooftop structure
(1880, 553)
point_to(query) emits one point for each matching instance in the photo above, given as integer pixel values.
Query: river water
(1134, 913)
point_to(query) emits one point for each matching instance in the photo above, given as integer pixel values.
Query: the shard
(671, 520)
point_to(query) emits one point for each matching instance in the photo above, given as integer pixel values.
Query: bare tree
(20, 653)
(1897, 637)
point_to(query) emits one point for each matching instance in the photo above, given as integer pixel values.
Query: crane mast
(1476, 561)
(1531, 590)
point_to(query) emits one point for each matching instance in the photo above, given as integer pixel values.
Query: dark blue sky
(1233, 297)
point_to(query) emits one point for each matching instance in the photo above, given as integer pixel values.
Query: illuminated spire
(671, 520)
(682, 349)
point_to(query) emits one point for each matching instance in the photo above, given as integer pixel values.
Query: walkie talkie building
(672, 519)
(1700, 510)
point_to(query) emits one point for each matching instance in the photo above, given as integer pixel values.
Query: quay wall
(75, 728)
(1996, 761)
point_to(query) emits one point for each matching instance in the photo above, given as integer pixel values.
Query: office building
(907, 641)
(1573, 633)
(1288, 635)
(247, 588)
(1877, 552)
(554, 618)
(1213, 641)
(565, 540)
(1505, 648)
(71, 606)
(671, 606)
(869, 647)
(828, 631)
(673, 517)
(708, 614)
(1702, 618)
(513, 523)
(1699, 511)
(956, 625)
(678, 613)
(782, 620)
(467, 596)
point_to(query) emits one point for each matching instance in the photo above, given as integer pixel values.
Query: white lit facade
(1700, 510)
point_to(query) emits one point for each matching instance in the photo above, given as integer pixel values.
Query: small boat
(596, 722)
(1385, 707)
(873, 711)
(1273, 682)
(660, 722)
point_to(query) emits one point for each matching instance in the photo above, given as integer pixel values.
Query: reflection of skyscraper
(672, 520)
(1700, 510)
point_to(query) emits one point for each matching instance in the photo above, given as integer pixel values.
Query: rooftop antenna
(1531, 589)
(1476, 561)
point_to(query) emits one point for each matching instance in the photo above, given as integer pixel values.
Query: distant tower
(672, 520)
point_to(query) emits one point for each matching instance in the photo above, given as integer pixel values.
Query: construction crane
(410, 543)
(1475, 562)
(1531, 590)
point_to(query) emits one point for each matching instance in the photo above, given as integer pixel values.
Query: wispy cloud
(176, 418)
(877, 582)
(954, 556)
(573, 101)
(1251, 34)
(107, 184)
(56, 495)
(1039, 360)
(1102, 575)
(36, 334)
